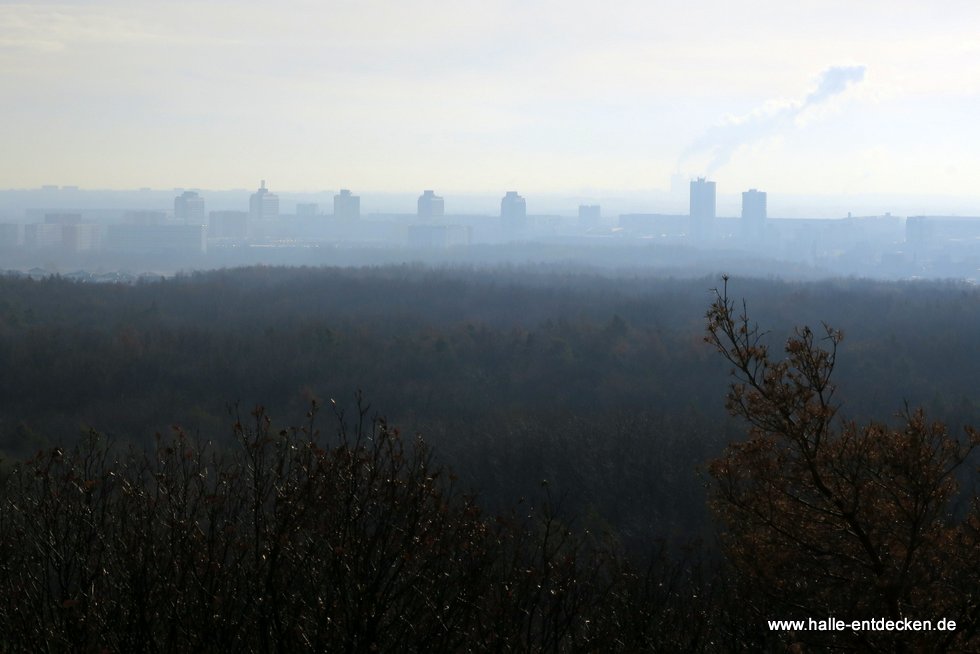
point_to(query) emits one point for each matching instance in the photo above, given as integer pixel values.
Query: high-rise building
(346, 206)
(753, 213)
(753, 206)
(702, 199)
(431, 205)
(263, 205)
(307, 209)
(189, 208)
(702, 207)
(513, 211)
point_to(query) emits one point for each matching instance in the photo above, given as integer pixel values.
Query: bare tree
(824, 517)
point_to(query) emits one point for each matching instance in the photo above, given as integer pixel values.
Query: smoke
(721, 141)
(833, 81)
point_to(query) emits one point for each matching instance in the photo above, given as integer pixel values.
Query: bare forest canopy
(600, 384)
(594, 396)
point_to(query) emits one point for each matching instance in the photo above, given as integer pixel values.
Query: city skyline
(568, 97)
(13, 202)
(75, 226)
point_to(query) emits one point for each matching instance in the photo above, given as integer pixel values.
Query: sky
(818, 97)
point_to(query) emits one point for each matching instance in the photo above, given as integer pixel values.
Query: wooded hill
(587, 412)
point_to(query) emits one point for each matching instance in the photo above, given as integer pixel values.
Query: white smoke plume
(721, 141)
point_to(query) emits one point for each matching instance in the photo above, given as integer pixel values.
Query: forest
(554, 440)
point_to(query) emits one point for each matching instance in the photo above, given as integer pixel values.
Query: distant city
(52, 240)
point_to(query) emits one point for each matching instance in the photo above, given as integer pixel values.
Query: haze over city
(814, 98)
(489, 326)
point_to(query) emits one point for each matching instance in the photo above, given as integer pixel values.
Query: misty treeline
(600, 384)
(582, 409)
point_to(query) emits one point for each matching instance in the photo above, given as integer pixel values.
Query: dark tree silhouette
(295, 541)
(825, 517)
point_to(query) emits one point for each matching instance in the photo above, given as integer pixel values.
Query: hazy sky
(793, 97)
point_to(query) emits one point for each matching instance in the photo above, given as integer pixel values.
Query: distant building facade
(156, 238)
(62, 231)
(62, 218)
(307, 209)
(753, 205)
(702, 204)
(263, 205)
(926, 234)
(11, 236)
(513, 211)
(189, 208)
(702, 208)
(228, 224)
(753, 214)
(346, 205)
(141, 217)
(81, 237)
(43, 236)
(431, 205)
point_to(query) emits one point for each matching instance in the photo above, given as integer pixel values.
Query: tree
(824, 517)
(300, 541)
